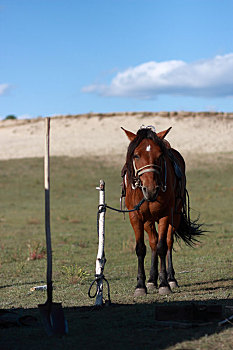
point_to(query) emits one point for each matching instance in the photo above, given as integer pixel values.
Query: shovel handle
(47, 209)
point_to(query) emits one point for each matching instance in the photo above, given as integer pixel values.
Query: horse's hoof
(140, 292)
(173, 285)
(164, 290)
(151, 287)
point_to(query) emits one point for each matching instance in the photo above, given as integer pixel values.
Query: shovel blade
(53, 319)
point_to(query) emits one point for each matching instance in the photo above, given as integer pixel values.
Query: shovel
(51, 313)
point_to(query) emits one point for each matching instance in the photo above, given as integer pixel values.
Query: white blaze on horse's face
(148, 148)
(125, 180)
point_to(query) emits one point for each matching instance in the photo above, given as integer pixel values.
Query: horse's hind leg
(170, 239)
(153, 239)
(170, 270)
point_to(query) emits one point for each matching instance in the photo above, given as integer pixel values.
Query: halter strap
(145, 169)
(150, 168)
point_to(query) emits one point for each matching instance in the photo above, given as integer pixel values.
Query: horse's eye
(136, 156)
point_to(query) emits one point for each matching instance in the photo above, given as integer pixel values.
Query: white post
(100, 260)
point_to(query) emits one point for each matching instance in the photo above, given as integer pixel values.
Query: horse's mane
(142, 134)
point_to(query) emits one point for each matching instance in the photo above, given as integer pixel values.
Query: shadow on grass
(213, 282)
(118, 326)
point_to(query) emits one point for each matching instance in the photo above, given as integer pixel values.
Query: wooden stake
(100, 260)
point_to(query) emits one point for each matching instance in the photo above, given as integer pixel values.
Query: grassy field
(204, 273)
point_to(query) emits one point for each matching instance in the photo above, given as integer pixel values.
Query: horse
(154, 176)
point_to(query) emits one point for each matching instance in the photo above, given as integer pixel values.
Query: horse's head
(145, 161)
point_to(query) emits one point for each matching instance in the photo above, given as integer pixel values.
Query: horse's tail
(189, 230)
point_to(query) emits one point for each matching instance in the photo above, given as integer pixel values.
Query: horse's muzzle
(150, 194)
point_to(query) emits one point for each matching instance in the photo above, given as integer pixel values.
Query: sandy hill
(101, 134)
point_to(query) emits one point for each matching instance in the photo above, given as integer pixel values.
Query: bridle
(150, 168)
(144, 169)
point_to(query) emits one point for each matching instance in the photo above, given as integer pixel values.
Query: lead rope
(103, 207)
(120, 210)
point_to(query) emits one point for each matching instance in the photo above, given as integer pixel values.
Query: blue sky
(76, 56)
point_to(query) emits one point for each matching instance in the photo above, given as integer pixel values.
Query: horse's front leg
(162, 248)
(170, 271)
(153, 239)
(138, 227)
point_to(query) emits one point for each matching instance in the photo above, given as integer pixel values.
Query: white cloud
(205, 78)
(3, 88)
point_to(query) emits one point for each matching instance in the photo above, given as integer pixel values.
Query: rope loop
(102, 208)
(96, 280)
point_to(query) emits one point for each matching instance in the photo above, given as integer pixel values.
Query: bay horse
(154, 175)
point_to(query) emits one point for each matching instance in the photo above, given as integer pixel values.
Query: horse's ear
(131, 135)
(163, 133)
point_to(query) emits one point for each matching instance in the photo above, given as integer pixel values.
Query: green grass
(204, 273)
